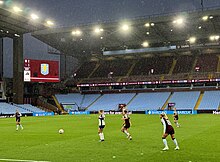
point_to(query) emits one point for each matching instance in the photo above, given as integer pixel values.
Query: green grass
(198, 137)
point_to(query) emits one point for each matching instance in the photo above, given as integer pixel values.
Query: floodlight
(204, 18)
(50, 23)
(34, 16)
(147, 24)
(147, 33)
(125, 27)
(211, 17)
(1, 2)
(152, 24)
(17, 9)
(145, 44)
(192, 40)
(101, 37)
(214, 37)
(217, 37)
(76, 32)
(178, 21)
(17, 35)
(98, 30)
(200, 27)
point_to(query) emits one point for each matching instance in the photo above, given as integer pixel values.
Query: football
(61, 131)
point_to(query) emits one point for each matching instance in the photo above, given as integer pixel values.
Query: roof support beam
(18, 70)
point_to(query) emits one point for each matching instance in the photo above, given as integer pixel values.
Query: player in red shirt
(167, 130)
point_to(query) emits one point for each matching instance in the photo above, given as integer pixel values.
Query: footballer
(101, 125)
(167, 130)
(126, 124)
(18, 120)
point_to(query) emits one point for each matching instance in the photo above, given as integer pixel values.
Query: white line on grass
(22, 160)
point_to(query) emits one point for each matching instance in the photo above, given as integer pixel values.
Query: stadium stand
(118, 67)
(6, 108)
(153, 65)
(204, 66)
(207, 63)
(85, 69)
(142, 101)
(111, 101)
(185, 100)
(88, 100)
(81, 100)
(30, 108)
(210, 101)
(148, 101)
(69, 98)
(183, 64)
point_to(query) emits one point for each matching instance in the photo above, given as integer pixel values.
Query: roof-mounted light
(17, 9)
(76, 32)
(205, 18)
(34, 16)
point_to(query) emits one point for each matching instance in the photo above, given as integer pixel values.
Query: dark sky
(72, 12)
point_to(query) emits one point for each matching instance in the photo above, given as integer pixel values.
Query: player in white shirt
(126, 125)
(101, 125)
(18, 120)
(167, 130)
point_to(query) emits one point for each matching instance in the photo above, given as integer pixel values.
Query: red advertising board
(41, 70)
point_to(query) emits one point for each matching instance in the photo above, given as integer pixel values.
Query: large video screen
(41, 71)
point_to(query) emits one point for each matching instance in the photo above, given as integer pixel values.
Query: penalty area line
(22, 160)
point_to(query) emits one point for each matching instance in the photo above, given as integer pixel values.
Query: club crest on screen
(44, 69)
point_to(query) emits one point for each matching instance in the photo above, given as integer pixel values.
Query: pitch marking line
(22, 160)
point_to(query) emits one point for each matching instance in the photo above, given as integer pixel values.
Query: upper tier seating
(183, 64)
(153, 65)
(207, 63)
(85, 69)
(117, 67)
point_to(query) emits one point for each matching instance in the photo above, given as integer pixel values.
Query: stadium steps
(94, 70)
(45, 105)
(132, 99)
(131, 69)
(218, 67)
(2, 90)
(58, 104)
(199, 100)
(165, 104)
(193, 68)
(83, 98)
(94, 101)
(162, 78)
(173, 66)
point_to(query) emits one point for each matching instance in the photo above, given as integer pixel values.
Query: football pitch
(198, 138)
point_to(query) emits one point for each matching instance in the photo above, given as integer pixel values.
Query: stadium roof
(198, 29)
(13, 25)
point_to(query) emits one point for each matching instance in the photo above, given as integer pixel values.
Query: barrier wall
(168, 112)
(43, 113)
